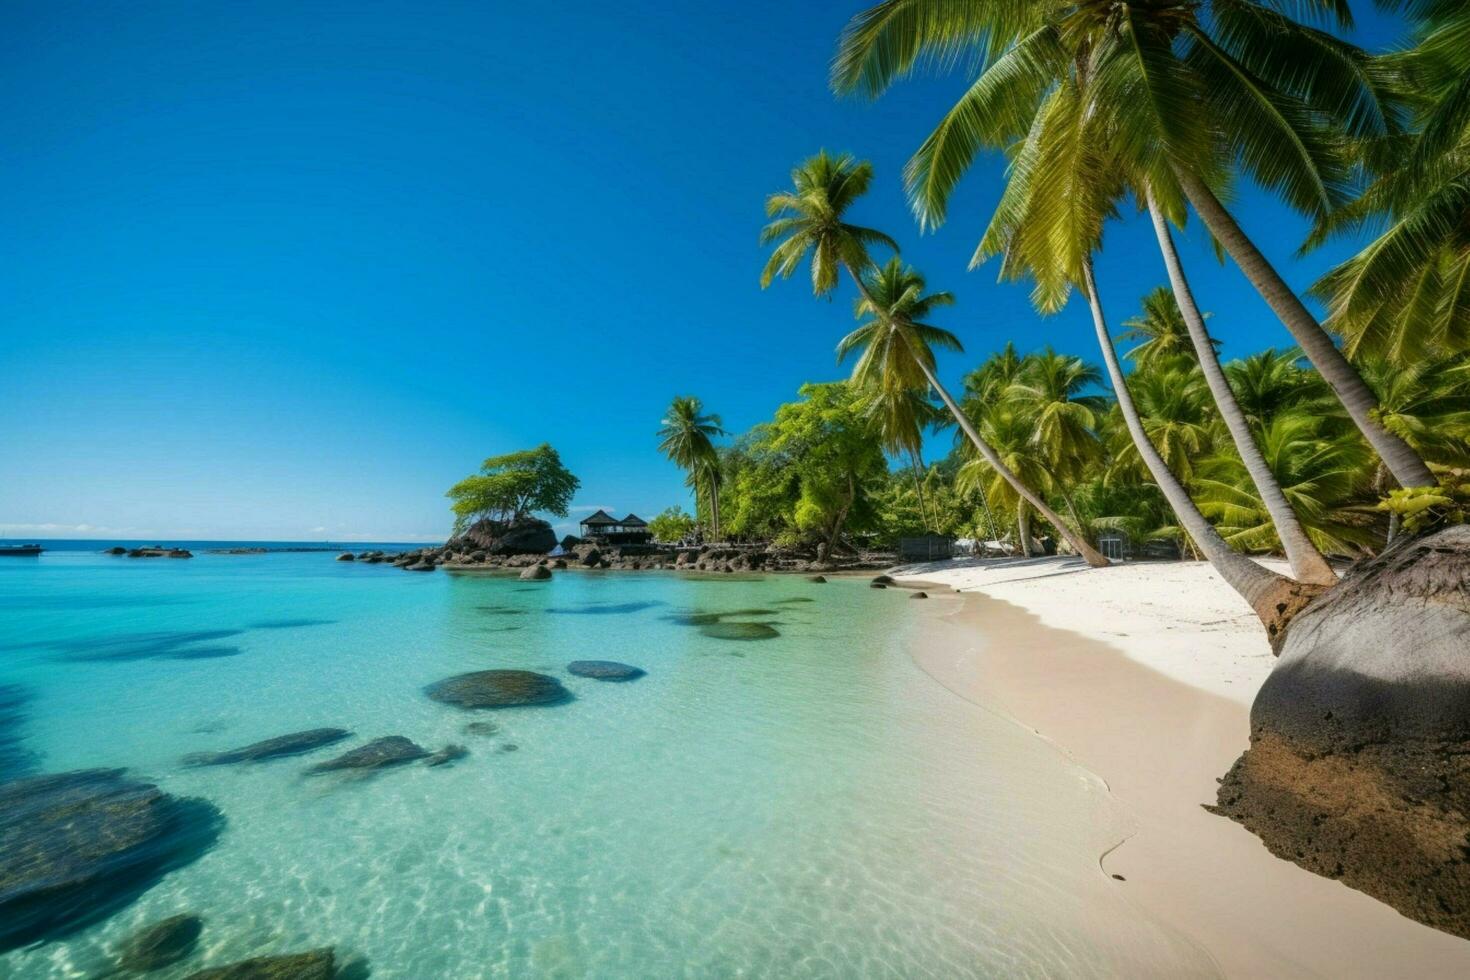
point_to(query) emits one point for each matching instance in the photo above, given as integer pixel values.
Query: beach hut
(603, 528)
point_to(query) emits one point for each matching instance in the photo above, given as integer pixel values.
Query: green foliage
(671, 525)
(1425, 509)
(687, 439)
(514, 485)
(811, 473)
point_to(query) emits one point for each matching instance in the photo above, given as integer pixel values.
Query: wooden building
(603, 528)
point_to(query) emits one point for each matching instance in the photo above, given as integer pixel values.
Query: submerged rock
(347, 556)
(876, 585)
(882, 580)
(482, 728)
(536, 573)
(740, 631)
(116, 550)
(161, 944)
(317, 964)
(281, 746)
(919, 595)
(449, 753)
(605, 670)
(817, 578)
(380, 753)
(498, 689)
(1359, 764)
(76, 847)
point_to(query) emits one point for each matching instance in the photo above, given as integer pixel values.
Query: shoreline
(1159, 743)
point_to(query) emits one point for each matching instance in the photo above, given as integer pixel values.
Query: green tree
(671, 525)
(1163, 99)
(808, 221)
(514, 485)
(1160, 330)
(1406, 295)
(687, 439)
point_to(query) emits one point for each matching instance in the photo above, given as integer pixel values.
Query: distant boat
(22, 550)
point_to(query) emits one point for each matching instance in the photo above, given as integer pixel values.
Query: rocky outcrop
(605, 670)
(296, 743)
(498, 689)
(347, 556)
(523, 536)
(160, 944)
(1359, 764)
(76, 847)
(380, 753)
(317, 964)
(464, 555)
(158, 551)
(536, 573)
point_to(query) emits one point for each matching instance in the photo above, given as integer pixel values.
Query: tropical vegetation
(512, 486)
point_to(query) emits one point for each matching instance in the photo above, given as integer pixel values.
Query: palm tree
(1009, 432)
(1406, 295)
(808, 220)
(899, 417)
(1178, 95)
(687, 439)
(1273, 381)
(1050, 389)
(1160, 330)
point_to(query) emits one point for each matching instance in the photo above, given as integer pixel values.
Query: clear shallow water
(809, 805)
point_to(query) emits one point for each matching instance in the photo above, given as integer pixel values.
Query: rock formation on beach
(76, 847)
(498, 689)
(523, 536)
(1359, 764)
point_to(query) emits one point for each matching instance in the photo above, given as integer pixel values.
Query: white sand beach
(1144, 673)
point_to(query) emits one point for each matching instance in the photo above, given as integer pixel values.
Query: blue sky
(287, 271)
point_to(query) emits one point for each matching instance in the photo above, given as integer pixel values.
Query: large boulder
(523, 536)
(498, 689)
(75, 847)
(380, 753)
(272, 748)
(536, 573)
(1359, 765)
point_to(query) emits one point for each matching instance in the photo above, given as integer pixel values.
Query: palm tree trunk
(714, 506)
(1307, 563)
(919, 491)
(1274, 598)
(1405, 464)
(825, 552)
(1023, 529)
(989, 520)
(1092, 556)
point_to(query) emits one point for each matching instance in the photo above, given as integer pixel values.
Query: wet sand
(1160, 744)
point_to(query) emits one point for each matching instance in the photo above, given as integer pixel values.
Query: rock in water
(523, 536)
(161, 944)
(740, 631)
(882, 580)
(484, 728)
(536, 573)
(76, 847)
(380, 753)
(347, 556)
(605, 670)
(449, 753)
(318, 964)
(1359, 765)
(818, 579)
(272, 748)
(919, 595)
(498, 689)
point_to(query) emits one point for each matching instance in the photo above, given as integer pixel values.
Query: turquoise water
(811, 805)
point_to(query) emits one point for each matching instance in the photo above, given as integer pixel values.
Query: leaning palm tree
(899, 417)
(687, 439)
(808, 221)
(1050, 389)
(1180, 94)
(1047, 225)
